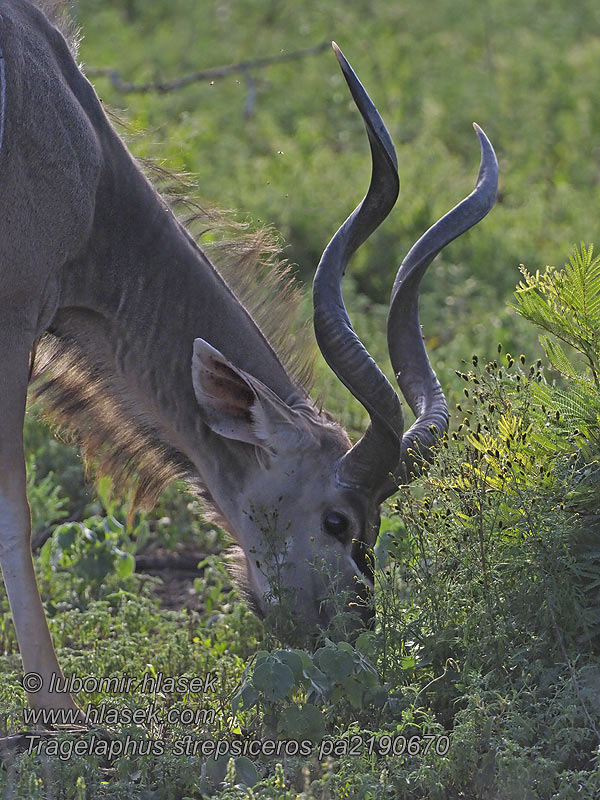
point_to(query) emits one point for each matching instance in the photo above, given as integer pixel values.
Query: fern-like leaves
(566, 304)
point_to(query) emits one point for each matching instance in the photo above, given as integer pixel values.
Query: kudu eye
(337, 525)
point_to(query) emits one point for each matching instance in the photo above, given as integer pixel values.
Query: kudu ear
(238, 406)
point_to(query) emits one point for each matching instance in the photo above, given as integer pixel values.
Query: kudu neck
(176, 294)
(135, 301)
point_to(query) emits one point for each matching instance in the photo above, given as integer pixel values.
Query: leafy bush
(496, 565)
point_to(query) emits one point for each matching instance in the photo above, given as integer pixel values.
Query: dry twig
(212, 74)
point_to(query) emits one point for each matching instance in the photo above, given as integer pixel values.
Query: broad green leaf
(273, 679)
(335, 662)
(125, 565)
(245, 771)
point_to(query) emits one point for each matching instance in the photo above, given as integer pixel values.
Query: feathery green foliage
(566, 304)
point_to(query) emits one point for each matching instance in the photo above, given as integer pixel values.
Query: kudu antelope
(149, 356)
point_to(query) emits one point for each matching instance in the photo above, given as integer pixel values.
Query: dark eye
(337, 525)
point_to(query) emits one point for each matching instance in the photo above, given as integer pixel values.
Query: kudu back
(143, 350)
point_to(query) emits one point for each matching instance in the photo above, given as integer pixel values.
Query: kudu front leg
(33, 636)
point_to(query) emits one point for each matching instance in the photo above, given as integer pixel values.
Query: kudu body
(145, 348)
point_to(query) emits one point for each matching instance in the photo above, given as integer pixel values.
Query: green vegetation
(481, 677)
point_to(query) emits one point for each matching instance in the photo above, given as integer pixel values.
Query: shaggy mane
(250, 263)
(58, 12)
(87, 404)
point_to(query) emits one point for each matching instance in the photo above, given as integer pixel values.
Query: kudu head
(306, 511)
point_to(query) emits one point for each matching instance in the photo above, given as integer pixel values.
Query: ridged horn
(368, 464)
(416, 378)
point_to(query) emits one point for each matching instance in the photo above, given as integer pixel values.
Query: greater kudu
(150, 357)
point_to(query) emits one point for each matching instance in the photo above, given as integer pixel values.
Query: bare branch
(212, 74)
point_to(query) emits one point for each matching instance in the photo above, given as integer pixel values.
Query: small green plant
(298, 694)
(566, 304)
(88, 553)
(46, 499)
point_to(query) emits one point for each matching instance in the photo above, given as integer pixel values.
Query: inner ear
(224, 395)
(229, 390)
(238, 406)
